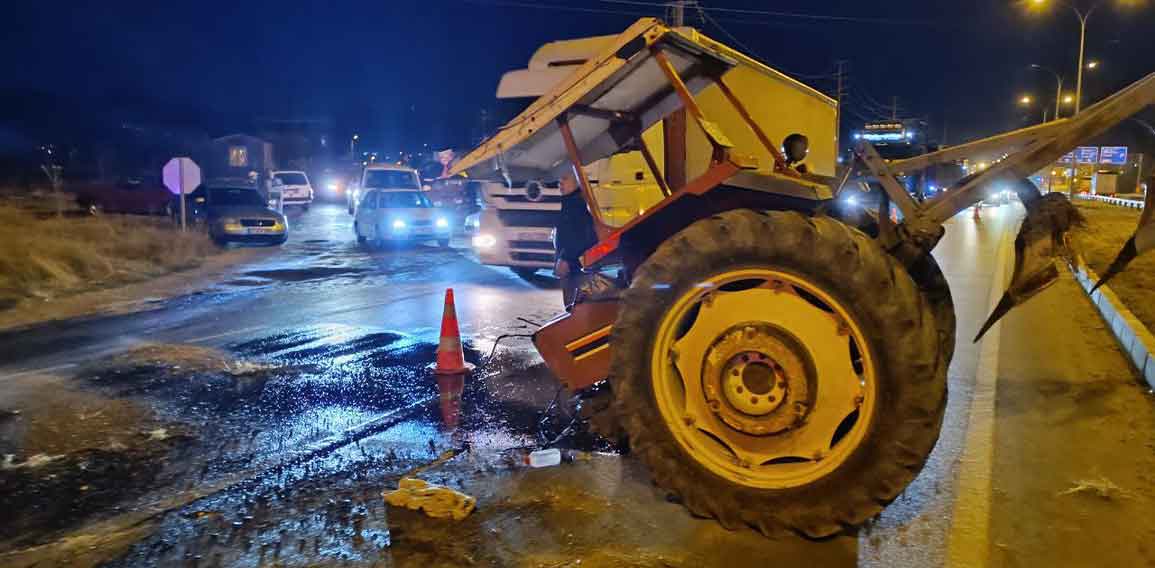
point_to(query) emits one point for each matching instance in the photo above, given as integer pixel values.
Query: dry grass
(45, 256)
(1108, 227)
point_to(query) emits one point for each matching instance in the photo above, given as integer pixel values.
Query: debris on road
(436, 501)
(1102, 487)
(545, 458)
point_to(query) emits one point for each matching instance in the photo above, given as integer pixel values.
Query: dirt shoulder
(1108, 227)
(62, 267)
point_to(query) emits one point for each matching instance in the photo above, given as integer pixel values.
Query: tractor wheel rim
(764, 378)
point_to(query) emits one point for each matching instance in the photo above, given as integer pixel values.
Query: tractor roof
(621, 82)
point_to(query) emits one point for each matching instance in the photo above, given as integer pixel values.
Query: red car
(138, 196)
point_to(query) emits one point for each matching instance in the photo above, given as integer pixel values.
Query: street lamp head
(356, 137)
(1068, 99)
(1092, 64)
(1026, 100)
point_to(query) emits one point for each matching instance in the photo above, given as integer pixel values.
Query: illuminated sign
(1067, 158)
(1114, 155)
(885, 126)
(884, 137)
(1087, 154)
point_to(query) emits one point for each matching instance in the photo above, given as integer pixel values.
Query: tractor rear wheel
(778, 371)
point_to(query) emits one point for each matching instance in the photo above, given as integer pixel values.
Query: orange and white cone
(450, 356)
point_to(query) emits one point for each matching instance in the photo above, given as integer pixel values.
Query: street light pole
(1082, 49)
(1058, 89)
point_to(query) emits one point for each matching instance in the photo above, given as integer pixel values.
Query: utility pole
(838, 74)
(676, 13)
(894, 108)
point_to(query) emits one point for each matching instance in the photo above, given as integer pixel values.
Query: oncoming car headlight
(398, 224)
(442, 223)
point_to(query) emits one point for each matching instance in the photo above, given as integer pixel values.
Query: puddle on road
(307, 273)
(252, 410)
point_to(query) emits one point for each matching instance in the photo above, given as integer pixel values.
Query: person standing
(575, 234)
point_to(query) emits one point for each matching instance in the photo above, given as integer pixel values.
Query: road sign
(1067, 158)
(182, 176)
(1114, 155)
(1087, 154)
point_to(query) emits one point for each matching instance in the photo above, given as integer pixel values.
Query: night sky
(423, 70)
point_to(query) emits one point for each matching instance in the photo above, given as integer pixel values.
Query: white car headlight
(442, 223)
(398, 224)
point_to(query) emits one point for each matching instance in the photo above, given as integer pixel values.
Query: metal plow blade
(1042, 241)
(1142, 241)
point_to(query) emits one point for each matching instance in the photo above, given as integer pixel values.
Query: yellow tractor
(775, 362)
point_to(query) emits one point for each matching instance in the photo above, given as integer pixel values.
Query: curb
(1133, 337)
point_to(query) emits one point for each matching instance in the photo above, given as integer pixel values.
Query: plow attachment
(1041, 244)
(1142, 241)
(1043, 240)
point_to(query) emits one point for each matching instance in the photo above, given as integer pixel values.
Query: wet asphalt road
(288, 461)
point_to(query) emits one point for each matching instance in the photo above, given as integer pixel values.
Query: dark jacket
(575, 229)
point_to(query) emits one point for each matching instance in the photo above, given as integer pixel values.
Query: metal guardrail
(1132, 203)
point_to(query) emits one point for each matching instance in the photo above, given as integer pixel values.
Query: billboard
(1114, 155)
(1087, 154)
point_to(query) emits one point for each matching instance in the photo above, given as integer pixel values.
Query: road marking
(40, 371)
(970, 516)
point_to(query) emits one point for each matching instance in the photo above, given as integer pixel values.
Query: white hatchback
(295, 188)
(392, 215)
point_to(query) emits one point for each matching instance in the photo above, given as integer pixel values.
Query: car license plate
(260, 230)
(533, 236)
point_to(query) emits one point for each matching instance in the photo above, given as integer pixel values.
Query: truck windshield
(230, 196)
(292, 178)
(390, 179)
(402, 200)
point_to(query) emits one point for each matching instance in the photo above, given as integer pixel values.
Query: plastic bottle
(545, 458)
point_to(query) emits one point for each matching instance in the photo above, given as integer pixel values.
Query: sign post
(181, 177)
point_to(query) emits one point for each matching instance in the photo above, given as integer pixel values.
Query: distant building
(236, 156)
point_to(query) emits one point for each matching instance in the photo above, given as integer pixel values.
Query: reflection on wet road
(258, 421)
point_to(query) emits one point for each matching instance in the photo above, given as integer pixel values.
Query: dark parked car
(132, 195)
(236, 214)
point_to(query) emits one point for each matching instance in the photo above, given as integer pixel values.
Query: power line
(514, 4)
(777, 14)
(707, 18)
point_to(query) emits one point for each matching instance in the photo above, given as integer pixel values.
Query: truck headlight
(484, 241)
(398, 225)
(442, 223)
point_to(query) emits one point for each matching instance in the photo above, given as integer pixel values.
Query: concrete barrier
(1132, 203)
(1134, 338)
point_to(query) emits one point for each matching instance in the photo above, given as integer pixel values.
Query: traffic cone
(450, 357)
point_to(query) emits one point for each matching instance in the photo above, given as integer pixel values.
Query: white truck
(515, 225)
